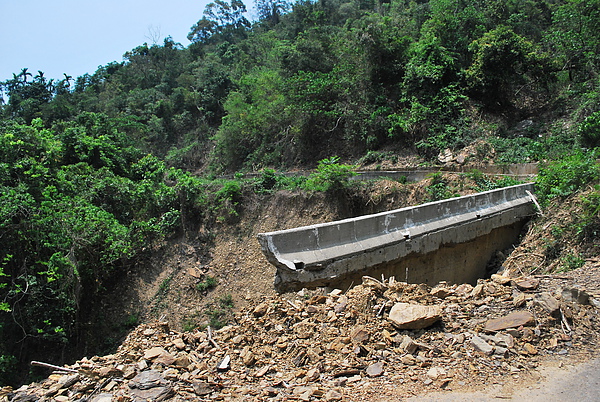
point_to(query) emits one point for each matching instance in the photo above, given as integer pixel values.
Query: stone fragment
(260, 310)
(512, 320)
(387, 336)
(153, 353)
(436, 372)
(150, 386)
(262, 371)
(104, 397)
(501, 279)
(165, 359)
(499, 350)
(477, 291)
(179, 343)
(527, 283)
(147, 379)
(359, 335)
(464, 289)
(313, 374)
(546, 301)
(333, 395)
(129, 372)
(409, 360)
(575, 295)
(441, 292)
(182, 360)
(505, 340)
(445, 156)
(341, 305)
(519, 300)
(408, 345)
(317, 299)
(110, 386)
(375, 370)
(373, 283)
(482, 346)
(194, 272)
(202, 388)
(68, 380)
(414, 316)
(224, 364)
(248, 357)
(529, 348)
(105, 372)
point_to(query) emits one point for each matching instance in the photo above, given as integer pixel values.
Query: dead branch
(53, 367)
(210, 338)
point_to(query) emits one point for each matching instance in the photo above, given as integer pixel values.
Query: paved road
(579, 383)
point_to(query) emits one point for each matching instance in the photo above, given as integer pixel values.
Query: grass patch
(208, 283)
(220, 314)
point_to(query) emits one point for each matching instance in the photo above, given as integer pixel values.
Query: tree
(575, 38)
(502, 63)
(270, 11)
(24, 74)
(221, 18)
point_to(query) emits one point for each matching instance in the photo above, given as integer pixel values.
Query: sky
(77, 36)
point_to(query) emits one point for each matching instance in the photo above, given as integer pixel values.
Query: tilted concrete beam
(322, 254)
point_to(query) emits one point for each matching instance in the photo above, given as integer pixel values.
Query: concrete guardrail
(329, 253)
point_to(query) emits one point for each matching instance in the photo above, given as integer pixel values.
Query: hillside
(124, 195)
(336, 344)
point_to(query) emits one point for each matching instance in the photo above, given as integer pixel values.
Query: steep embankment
(175, 281)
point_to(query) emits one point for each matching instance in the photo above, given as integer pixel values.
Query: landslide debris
(343, 345)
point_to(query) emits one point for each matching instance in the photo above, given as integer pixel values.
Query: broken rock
(414, 316)
(546, 301)
(512, 320)
(527, 283)
(575, 295)
(482, 346)
(375, 370)
(408, 345)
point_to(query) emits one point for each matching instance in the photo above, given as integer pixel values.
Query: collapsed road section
(450, 240)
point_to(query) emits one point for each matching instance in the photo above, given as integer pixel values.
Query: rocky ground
(381, 340)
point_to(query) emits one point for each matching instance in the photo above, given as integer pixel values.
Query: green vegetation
(564, 177)
(330, 176)
(93, 169)
(438, 189)
(208, 283)
(220, 313)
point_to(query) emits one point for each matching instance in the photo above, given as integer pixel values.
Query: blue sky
(77, 36)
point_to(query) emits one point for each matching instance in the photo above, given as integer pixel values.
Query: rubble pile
(388, 337)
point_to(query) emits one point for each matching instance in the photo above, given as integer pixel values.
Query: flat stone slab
(512, 320)
(414, 316)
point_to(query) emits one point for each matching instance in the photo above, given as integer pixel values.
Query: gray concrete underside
(448, 240)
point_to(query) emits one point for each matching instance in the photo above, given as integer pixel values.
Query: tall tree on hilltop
(270, 10)
(223, 18)
(24, 73)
